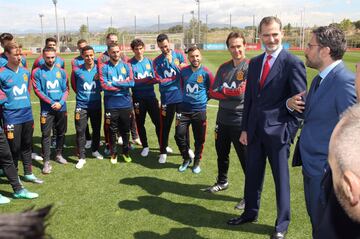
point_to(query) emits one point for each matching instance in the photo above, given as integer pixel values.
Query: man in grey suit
(331, 93)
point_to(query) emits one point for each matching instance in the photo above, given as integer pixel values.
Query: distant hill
(139, 28)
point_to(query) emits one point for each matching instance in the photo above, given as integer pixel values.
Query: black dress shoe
(240, 220)
(278, 235)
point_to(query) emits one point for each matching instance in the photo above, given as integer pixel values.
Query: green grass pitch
(146, 200)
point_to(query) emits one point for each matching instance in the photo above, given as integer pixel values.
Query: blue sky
(23, 15)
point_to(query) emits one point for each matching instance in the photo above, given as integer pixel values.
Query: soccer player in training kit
(40, 61)
(195, 83)
(229, 88)
(144, 98)
(60, 63)
(167, 71)
(79, 60)
(6, 38)
(76, 62)
(51, 86)
(17, 112)
(112, 38)
(86, 84)
(116, 78)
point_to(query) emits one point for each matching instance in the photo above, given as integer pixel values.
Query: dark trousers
(167, 113)
(19, 137)
(141, 107)
(119, 123)
(87, 132)
(312, 192)
(198, 123)
(261, 147)
(132, 127)
(7, 163)
(47, 120)
(81, 124)
(224, 136)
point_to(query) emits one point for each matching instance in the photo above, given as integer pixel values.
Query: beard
(196, 65)
(311, 64)
(50, 64)
(272, 48)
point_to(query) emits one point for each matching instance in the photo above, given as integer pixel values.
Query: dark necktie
(317, 80)
(265, 72)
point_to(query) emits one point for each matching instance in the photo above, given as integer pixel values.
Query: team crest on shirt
(123, 70)
(58, 75)
(26, 78)
(148, 67)
(177, 62)
(200, 79)
(240, 76)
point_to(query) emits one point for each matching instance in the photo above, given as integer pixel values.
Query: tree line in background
(191, 34)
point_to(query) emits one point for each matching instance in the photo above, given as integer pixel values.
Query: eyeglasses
(311, 45)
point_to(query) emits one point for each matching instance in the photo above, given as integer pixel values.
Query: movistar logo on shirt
(170, 73)
(117, 79)
(19, 91)
(89, 86)
(144, 75)
(52, 85)
(192, 89)
(231, 86)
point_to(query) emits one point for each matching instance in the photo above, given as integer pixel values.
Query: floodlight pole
(42, 29)
(198, 2)
(57, 26)
(193, 28)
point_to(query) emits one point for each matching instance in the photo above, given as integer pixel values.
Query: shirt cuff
(289, 109)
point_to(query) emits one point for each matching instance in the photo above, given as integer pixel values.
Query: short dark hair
(86, 48)
(110, 34)
(28, 224)
(47, 49)
(10, 46)
(162, 37)
(81, 41)
(192, 48)
(235, 35)
(111, 45)
(136, 42)
(6, 37)
(269, 20)
(50, 39)
(331, 37)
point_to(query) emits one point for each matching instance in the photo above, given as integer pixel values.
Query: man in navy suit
(269, 126)
(332, 91)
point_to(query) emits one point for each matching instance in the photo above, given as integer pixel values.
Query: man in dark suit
(269, 126)
(331, 93)
(340, 205)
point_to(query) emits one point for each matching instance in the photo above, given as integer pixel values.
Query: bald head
(346, 141)
(344, 160)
